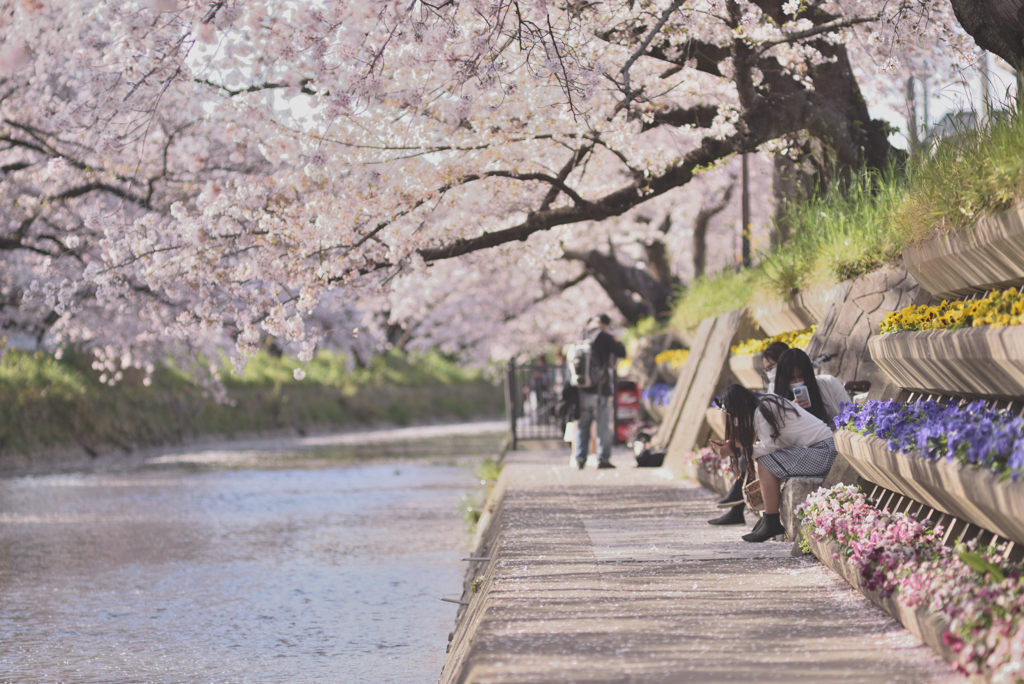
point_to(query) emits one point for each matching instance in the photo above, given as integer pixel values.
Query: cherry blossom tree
(183, 174)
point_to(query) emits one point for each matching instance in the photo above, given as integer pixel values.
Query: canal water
(316, 564)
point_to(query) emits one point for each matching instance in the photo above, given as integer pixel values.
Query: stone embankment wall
(853, 318)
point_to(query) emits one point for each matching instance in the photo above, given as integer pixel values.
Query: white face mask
(797, 385)
(771, 375)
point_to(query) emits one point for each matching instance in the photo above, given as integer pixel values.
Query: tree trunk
(635, 292)
(995, 25)
(700, 231)
(657, 257)
(792, 181)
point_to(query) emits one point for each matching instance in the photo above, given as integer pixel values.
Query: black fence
(531, 393)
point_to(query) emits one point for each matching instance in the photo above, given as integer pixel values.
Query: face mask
(771, 375)
(797, 385)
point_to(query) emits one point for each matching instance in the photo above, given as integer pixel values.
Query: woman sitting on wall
(793, 443)
(733, 500)
(826, 393)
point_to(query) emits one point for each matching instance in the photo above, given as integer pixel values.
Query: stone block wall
(853, 317)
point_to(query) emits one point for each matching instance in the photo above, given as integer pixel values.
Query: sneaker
(605, 464)
(580, 464)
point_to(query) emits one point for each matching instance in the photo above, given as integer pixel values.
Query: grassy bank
(856, 227)
(48, 404)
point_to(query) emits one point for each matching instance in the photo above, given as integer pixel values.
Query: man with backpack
(590, 360)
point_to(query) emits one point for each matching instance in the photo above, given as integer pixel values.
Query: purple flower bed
(659, 394)
(968, 435)
(980, 594)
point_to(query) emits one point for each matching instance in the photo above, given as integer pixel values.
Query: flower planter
(802, 311)
(713, 481)
(747, 370)
(975, 495)
(981, 361)
(716, 420)
(929, 628)
(989, 255)
(655, 411)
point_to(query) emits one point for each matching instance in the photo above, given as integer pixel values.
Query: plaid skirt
(801, 461)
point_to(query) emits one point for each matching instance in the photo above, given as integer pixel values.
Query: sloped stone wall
(853, 318)
(705, 374)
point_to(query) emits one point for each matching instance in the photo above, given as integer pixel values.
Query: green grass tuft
(969, 175)
(724, 291)
(837, 235)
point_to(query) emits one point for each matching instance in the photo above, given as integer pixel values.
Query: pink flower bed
(980, 594)
(707, 459)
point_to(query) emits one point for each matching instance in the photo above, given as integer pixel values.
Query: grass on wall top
(855, 227)
(969, 175)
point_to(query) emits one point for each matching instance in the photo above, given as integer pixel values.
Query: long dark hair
(740, 403)
(798, 358)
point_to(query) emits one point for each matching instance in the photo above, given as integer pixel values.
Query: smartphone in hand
(801, 394)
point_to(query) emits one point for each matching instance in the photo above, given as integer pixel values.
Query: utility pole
(926, 124)
(745, 213)
(986, 100)
(915, 139)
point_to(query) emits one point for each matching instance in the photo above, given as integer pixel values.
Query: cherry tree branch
(574, 161)
(700, 116)
(766, 119)
(644, 44)
(828, 27)
(302, 85)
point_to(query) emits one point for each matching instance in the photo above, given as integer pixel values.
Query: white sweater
(832, 393)
(803, 429)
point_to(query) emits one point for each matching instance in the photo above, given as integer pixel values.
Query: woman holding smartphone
(819, 395)
(782, 438)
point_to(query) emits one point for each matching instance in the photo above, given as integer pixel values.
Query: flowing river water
(305, 561)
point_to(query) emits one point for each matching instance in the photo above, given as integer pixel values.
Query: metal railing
(531, 394)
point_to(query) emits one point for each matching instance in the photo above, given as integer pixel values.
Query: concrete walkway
(615, 576)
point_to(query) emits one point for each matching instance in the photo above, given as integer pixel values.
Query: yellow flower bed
(997, 310)
(795, 339)
(675, 357)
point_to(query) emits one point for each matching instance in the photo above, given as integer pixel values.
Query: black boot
(733, 516)
(734, 496)
(770, 527)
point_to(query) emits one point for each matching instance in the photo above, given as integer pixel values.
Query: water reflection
(326, 573)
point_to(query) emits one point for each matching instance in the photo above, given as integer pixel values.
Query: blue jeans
(594, 406)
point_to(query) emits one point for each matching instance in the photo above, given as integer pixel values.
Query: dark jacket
(606, 348)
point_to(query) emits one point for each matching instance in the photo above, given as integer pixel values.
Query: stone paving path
(615, 576)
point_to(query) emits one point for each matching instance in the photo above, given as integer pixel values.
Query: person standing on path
(592, 372)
